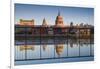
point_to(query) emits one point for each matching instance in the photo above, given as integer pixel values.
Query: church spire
(44, 22)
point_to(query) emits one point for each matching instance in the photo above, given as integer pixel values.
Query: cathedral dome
(59, 20)
(59, 17)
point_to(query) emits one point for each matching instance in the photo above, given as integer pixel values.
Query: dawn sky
(76, 15)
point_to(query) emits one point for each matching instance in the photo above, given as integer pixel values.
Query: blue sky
(76, 15)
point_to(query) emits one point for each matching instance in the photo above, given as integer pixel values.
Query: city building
(28, 27)
(26, 22)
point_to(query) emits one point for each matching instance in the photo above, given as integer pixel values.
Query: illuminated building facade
(28, 27)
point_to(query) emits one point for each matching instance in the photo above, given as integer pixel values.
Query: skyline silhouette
(76, 15)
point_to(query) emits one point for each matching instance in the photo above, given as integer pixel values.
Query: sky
(76, 15)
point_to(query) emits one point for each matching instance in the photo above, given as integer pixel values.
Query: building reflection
(44, 47)
(59, 49)
(62, 48)
(71, 42)
(83, 42)
(27, 47)
(71, 45)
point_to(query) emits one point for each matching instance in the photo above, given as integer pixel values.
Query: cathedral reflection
(59, 49)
